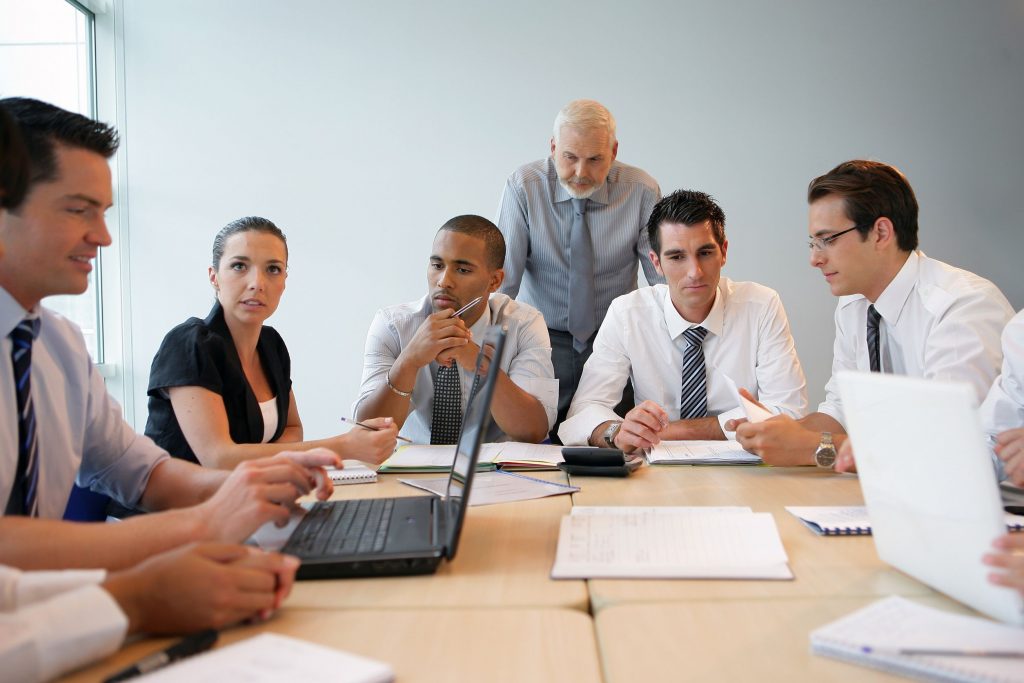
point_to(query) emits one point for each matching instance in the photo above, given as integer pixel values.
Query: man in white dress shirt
(1002, 413)
(418, 367)
(681, 343)
(899, 311)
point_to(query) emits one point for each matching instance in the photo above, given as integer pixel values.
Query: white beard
(577, 194)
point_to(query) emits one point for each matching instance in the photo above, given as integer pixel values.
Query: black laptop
(410, 535)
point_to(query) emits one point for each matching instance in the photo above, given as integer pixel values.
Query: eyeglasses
(822, 243)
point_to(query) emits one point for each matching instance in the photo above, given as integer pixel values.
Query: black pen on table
(186, 647)
(357, 423)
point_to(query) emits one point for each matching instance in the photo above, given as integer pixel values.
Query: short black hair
(686, 207)
(44, 126)
(13, 162)
(870, 190)
(244, 224)
(481, 228)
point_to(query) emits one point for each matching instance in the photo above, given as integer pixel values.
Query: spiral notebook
(853, 520)
(354, 472)
(903, 637)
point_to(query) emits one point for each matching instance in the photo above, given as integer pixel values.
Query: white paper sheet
(692, 543)
(885, 627)
(272, 658)
(420, 457)
(497, 487)
(754, 412)
(701, 453)
(530, 453)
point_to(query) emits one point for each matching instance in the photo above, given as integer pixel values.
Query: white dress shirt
(938, 322)
(54, 621)
(1003, 408)
(642, 339)
(80, 428)
(526, 360)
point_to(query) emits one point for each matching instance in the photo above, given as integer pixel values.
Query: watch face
(825, 456)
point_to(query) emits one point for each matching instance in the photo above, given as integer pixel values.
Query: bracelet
(392, 387)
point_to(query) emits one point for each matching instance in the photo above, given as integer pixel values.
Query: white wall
(361, 127)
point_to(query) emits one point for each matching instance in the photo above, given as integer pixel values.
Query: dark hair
(246, 224)
(13, 163)
(871, 190)
(686, 207)
(44, 126)
(481, 228)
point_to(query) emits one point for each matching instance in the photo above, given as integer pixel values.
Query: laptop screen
(474, 425)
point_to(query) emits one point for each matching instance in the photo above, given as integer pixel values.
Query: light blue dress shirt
(81, 430)
(536, 216)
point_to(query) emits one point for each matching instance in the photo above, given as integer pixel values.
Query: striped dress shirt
(536, 216)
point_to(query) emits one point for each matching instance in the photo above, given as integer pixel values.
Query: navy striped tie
(23, 494)
(695, 384)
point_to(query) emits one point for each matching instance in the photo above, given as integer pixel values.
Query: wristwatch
(825, 456)
(610, 432)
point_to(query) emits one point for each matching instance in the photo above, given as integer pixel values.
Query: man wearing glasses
(899, 311)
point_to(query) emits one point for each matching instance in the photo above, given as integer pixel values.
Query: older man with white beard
(574, 227)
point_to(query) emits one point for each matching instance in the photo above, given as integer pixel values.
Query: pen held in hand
(468, 306)
(357, 423)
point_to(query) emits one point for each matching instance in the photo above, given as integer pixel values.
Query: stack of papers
(497, 487)
(669, 543)
(272, 658)
(701, 453)
(528, 456)
(903, 637)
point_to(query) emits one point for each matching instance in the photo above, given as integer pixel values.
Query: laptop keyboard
(343, 527)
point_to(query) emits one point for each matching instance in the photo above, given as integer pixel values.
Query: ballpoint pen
(468, 306)
(942, 652)
(357, 423)
(186, 647)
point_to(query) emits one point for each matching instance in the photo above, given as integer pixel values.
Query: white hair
(585, 115)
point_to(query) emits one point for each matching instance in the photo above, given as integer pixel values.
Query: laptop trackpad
(412, 525)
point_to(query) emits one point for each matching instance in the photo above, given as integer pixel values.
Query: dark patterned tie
(582, 316)
(873, 354)
(23, 493)
(446, 420)
(695, 384)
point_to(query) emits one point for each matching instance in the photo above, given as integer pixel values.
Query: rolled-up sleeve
(531, 369)
(53, 622)
(379, 354)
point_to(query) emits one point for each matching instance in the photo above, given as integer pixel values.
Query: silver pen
(468, 306)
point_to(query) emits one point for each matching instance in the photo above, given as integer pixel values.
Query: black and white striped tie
(873, 350)
(22, 500)
(695, 384)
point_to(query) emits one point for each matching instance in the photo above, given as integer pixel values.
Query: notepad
(354, 472)
(875, 636)
(272, 658)
(701, 453)
(669, 543)
(421, 458)
(853, 520)
(528, 456)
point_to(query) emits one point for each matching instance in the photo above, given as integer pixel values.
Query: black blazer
(201, 353)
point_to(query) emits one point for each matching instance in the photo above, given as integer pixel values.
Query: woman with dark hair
(220, 388)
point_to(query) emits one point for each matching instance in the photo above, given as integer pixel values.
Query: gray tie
(582, 316)
(873, 356)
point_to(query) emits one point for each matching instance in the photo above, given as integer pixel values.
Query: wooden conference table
(493, 614)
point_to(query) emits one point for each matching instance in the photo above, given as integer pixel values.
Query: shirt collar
(11, 313)
(713, 323)
(894, 297)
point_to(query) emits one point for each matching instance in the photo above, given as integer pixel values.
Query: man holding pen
(418, 366)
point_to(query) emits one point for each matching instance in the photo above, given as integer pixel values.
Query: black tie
(873, 318)
(22, 500)
(694, 396)
(446, 420)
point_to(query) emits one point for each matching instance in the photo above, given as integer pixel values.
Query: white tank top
(269, 410)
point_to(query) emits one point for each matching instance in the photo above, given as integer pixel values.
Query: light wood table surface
(424, 645)
(735, 640)
(823, 566)
(504, 559)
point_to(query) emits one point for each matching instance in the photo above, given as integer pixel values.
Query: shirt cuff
(543, 389)
(576, 430)
(36, 586)
(832, 411)
(66, 632)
